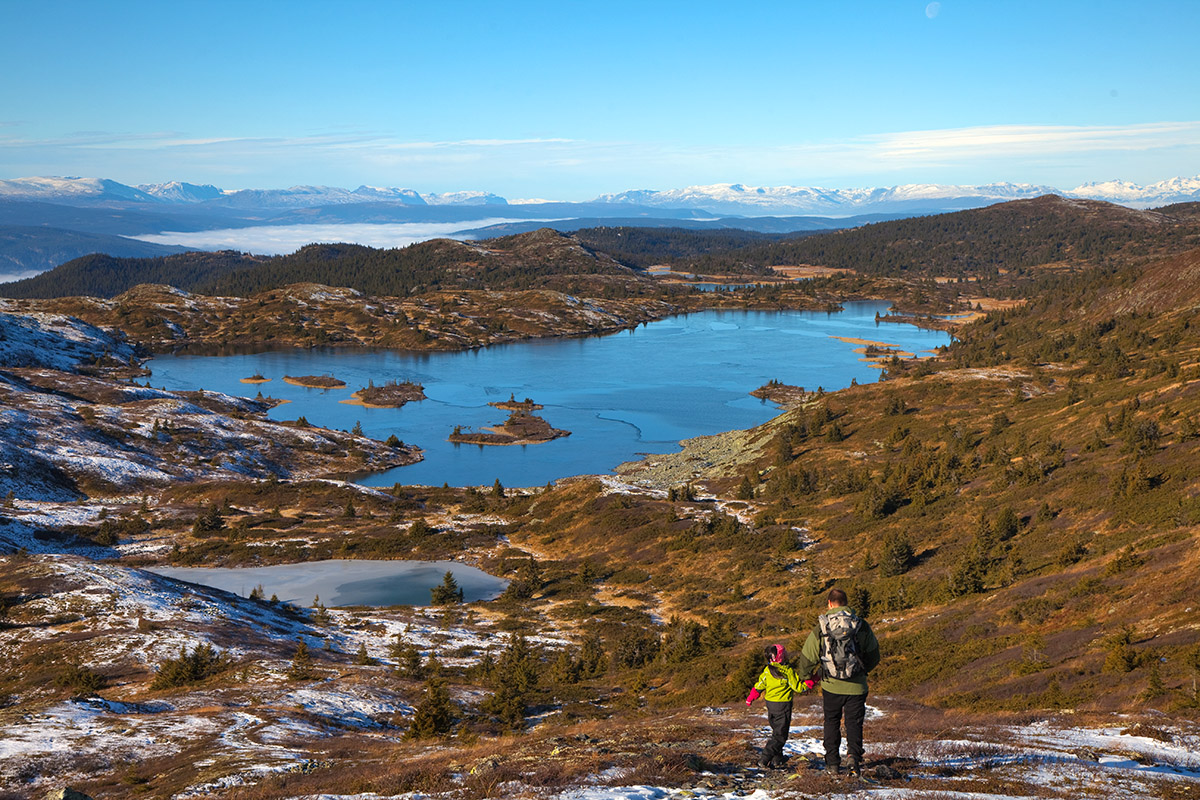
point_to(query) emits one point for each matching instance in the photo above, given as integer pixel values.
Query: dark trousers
(779, 717)
(853, 707)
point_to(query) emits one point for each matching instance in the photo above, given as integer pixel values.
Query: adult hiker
(777, 684)
(843, 648)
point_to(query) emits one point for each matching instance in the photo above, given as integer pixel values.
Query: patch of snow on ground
(355, 707)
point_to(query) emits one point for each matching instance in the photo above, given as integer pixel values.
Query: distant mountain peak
(45, 188)
(467, 198)
(181, 192)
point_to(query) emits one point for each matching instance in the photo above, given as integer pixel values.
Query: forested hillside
(99, 275)
(540, 259)
(1005, 237)
(645, 247)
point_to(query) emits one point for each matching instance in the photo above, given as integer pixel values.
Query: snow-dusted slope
(180, 192)
(312, 196)
(1175, 190)
(69, 189)
(465, 199)
(55, 341)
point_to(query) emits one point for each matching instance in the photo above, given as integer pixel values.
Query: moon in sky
(932, 9)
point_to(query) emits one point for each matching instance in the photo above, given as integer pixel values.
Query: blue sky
(568, 100)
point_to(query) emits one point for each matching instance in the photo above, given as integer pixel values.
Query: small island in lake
(315, 381)
(781, 393)
(392, 394)
(513, 404)
(256, 378)
(876, 353)
(519, 428)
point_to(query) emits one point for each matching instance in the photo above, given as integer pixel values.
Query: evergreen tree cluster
(202, 662)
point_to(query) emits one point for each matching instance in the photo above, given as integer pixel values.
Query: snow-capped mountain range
(68, 190)
(736, 198)
(721, 198)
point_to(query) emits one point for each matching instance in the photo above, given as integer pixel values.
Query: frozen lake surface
(341, 582)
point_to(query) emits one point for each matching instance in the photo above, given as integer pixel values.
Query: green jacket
(781, 689)
(868, 651)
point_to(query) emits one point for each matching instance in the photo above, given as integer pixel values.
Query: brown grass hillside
(1022, 531)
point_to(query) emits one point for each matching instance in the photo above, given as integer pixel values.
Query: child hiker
(777, 684)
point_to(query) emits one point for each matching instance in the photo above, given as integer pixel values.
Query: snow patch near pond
(355, 708)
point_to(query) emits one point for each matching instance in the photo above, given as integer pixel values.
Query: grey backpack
(839, 644)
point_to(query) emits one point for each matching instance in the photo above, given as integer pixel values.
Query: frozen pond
(344, 582)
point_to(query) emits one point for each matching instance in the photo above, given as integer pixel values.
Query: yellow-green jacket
(778, 687)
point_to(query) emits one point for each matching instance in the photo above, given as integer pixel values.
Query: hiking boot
(854, 770)
(778, 764)
(764, 762)
(833, 768)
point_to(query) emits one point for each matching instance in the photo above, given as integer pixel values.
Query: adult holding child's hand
(843, 649)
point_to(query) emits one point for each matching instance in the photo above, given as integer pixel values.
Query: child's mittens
(753, 696)
(809, 684)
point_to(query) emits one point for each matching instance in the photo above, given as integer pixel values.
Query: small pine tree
(302, 663)
(967, 575)
(588, 573)
(592, 660)
(897, 554)
(357, 430)
(208, 521)
(497, 489)
(745, 489)
(527, 582)
(320, 614)
(363, 658)
(1154, 682)
(566, 669)
(448, 592)
(1121, 655)
(432, 667)
(349, 512)
(516, 676)
(434, 715)
(1006, 525)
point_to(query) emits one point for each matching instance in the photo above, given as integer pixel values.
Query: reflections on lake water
(344, 582)
(620, 395)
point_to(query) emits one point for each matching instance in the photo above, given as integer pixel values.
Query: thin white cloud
(1044, 139)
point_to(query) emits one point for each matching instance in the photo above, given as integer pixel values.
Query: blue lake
(621, 395)
(344, 583)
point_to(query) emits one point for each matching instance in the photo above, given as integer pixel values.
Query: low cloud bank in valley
(278, 239)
